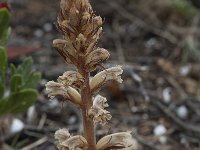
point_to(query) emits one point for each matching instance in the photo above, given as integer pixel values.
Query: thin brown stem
(87, 103)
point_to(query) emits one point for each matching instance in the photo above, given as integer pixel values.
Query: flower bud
(120, 141)
(98, 21)
(113, 73)
(86, 16)
(80, 43)
(66, 50)
(95, 57)
(94, 40)
(74, 95)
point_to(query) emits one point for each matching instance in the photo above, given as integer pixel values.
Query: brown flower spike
(81, 29)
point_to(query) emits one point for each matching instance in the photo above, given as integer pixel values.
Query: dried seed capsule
(113, 73)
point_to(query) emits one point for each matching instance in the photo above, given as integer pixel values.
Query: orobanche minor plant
(81, 29)
(18, 93)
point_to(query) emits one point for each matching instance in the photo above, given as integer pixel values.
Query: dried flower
(97, 112)
(58, 89)
(113, 73)
(74, 143)
(71, 78)
(100, 102)
(119, 141)
(61, 135)
(65, 141)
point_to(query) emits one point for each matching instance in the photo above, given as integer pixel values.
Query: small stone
(159, 130)
(151, 42)
(16, 126)
(47, 27)
(167, 94)
(38, 33)
(31, 113)
(163, 139)
(182, 112)
(43, 82)
(72, 120)
(53, 103)
(185, 70)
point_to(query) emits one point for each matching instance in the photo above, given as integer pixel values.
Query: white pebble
(185, 70)
(182, 112)
(151, 42)
(72, 120)
(167, 95)
(16, 126)
(47, 27)
(163, 139)
(31, 113)
(43, 82)
(159, 130)
(38, 33)
(53, 103)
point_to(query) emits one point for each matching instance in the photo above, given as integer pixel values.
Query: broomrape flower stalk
(81, 29)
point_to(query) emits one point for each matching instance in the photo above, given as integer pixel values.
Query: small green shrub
(17, 84)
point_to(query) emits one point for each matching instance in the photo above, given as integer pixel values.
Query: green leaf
(4, 25)
(32, 80)
(1, 90)
(19, 70)
(13, 69)
(4, 18)
(5, 36)
(3, 108)
(18, 102)
(16, 81)
(3, 64)
(27, 68)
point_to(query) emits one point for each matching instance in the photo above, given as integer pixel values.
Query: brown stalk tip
(80, 28)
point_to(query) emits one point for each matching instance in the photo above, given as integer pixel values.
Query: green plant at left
(17, 84)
